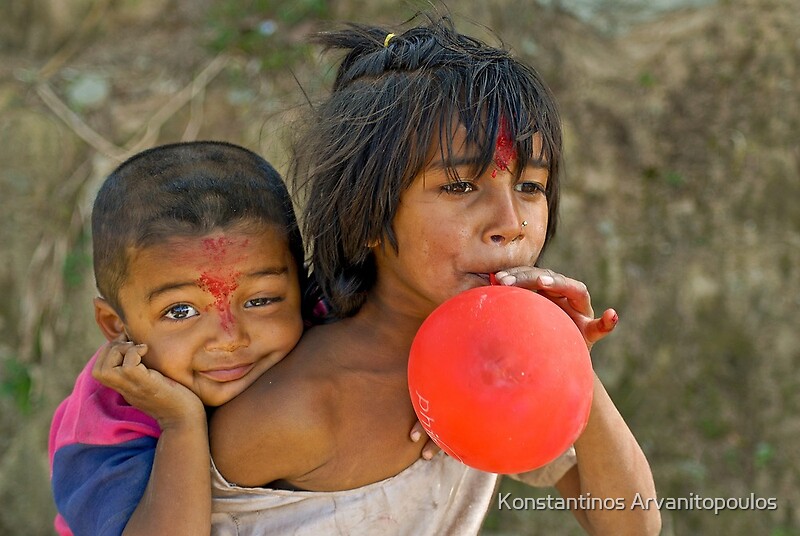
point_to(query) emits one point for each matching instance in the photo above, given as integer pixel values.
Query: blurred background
(681, 206)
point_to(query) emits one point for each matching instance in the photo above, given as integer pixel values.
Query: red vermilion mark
(218, 279)
(505, 151)
(221, 288)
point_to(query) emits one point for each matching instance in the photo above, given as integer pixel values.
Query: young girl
(433, 165)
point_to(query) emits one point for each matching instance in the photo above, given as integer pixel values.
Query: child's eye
(261, 302)
(181, 311)
(529, 188)
(458, 187)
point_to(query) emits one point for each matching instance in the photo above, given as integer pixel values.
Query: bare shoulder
(278, 429)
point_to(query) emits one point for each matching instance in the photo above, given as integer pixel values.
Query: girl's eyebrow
(474, 161)
(456, 162)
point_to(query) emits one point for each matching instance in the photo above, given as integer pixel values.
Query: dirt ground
(680, 209)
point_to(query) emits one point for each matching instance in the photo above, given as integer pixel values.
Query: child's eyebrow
(265, 272)
(276, 271)
(459, 161)
(156, 292)
(456, 162)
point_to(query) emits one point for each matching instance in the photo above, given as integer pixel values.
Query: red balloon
(501, 379)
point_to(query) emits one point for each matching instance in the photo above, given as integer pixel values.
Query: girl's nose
(504, 222)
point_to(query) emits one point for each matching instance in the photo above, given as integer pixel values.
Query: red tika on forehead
(220, 283)
(505, 150)
(221, 288)
(216, 248)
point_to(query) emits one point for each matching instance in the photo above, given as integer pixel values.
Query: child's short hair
(184, 189)
(394, 97)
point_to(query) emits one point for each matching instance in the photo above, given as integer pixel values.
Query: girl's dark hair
(185, 189)
(392, 97)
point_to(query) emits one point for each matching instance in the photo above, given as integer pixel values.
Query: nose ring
(524, 223)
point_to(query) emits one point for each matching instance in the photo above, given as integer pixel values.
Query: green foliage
(713, 427)
(16, 384)
(675, 179)
(764, 454)
(647, 79)
(295, 11)
(77, 264)
(265, 29)
(672, 178)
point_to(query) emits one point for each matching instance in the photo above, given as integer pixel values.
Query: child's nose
(504, 222)
(228, 334)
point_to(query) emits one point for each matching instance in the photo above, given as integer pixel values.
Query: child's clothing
(101, 453)
(440, 496)
(102, 450)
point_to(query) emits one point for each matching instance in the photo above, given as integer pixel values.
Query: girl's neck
(389, 322)
(382, 315)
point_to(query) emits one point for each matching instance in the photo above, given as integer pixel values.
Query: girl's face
(452, 235)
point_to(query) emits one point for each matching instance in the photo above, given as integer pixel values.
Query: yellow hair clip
(388, 38)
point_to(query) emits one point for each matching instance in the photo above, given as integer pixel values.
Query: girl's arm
(611, 463)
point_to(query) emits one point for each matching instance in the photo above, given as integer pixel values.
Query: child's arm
(177, 499)
(611, 463)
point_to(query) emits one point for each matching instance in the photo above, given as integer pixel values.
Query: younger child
(199, 264)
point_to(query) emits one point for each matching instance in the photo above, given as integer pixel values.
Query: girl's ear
(108, 319)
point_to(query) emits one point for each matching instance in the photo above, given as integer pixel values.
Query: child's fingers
(598, 328)
(609, 321)
(110, 356)
(430, 449)
(550, 284)
(116, 360)
(417, 432)
(570, 295)
(133, 355)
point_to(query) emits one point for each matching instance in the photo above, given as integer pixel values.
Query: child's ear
(108, 319)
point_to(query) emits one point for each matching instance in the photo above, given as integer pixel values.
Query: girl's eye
(261, 302)
(460, 187)
(181, 311)
(529, 188)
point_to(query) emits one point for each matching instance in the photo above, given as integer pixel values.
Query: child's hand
(119, 366)
(571, 295)
(430, 449)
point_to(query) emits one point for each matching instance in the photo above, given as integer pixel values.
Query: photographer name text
(505, 501)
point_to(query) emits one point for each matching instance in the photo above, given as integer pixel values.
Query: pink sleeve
(97, 415)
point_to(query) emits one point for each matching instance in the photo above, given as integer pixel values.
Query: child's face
(451, 236)
(215, 311)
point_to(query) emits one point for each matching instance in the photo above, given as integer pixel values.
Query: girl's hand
(119, 366)
(430, 449)
(569, 294)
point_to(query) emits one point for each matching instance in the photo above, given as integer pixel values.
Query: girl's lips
(228, 374)
(488, 278)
